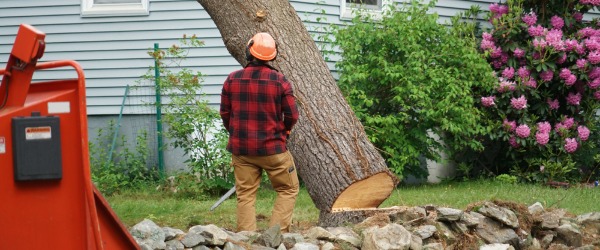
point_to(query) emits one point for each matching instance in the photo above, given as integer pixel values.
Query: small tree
(192, 124)
(545, 100)
(410, 78)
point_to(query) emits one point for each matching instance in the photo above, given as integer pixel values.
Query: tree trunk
(341, 169)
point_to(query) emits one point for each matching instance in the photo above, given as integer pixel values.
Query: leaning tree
(343, 172)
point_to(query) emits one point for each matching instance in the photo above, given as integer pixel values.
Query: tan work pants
(281, 171)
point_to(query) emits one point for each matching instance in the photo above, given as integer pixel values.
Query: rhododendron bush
(546, 55)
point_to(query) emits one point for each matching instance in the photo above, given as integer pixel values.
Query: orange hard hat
(262, 46)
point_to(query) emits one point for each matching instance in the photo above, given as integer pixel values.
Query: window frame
(91, 9)
(346, 9)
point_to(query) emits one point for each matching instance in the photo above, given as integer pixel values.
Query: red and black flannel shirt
(257, 108)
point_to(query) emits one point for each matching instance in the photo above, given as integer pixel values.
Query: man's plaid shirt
(257, 108)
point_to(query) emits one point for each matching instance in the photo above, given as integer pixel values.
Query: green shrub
(544, 106)
(127, 169)
(410, 79)
(192, 124)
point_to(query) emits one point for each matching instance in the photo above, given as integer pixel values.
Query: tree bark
(340, 167)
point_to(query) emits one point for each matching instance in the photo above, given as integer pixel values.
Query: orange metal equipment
(47, 199)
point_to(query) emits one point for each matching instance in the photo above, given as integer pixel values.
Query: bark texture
(329, 145)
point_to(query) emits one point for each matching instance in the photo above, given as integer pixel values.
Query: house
(111, 38)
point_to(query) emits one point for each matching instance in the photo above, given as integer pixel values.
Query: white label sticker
(2, 145)
(38, 133)
(59, 107)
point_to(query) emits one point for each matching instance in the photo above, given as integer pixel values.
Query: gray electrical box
(36, 148)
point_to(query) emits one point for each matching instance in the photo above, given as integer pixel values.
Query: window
(374, 6)
(93, 8)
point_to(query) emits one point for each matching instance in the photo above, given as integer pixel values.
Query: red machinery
(47, 199)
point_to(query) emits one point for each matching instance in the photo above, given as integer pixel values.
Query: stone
(148, 233)
(192, 239)
(391, 236)
(497, 246)
(172, 233)
(445, 233)
(425, 231)
(305, 246)
(502, 214)
(459, 227)
(549, 220)
(470, 219)
(201, 247)
(492, 231)
(416, 243)
(570, 235)
(232, 246)
(590, 221)
(281, 247)
(586, 247)
(547, 240)
(212, 234)
(406, 214)
(536, 208)
(433, 246)
(259, 247)
(328, 246)
(345, 235)
(448, 214)
(558, 246)
(174, 244)
(290, 239)
(239, 237)
(271, 237)
(320, 233)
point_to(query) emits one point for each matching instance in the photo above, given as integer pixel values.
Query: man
(258, 109)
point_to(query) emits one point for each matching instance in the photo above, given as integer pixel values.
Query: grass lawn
(168, 210)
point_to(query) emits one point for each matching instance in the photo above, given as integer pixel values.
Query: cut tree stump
(340, 167)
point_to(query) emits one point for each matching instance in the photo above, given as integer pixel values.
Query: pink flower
(523, 72)
(487, 44)
(531, 83)
(560, 128)
(570, 80)
(581, 63)
(519, 103)
(508, 73)
(573, 99)
(583, 132)
(594, 84)
(547, 75)
(554, 39)
(544, 127)
(519, 53)
(568, 122)
(586, 32)
(542, 138)
(570, 44)
(502, 9)
(530, 18)
(487, 36)
(506, 86)
(536, 30)
(522, 131)
(590, 2)
(597, 95)
(594, 73)
(513, 142)
(539, 43)
(488, 101)
(557, 22)
(564, 73)
(591, 44)
(553, 104)
(496, 52)
(594, 57)
(570, 145)
(580, 49)
(578, 16)
(509, 125)
(494, 8)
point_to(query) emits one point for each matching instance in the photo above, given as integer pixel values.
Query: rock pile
(489, 225)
